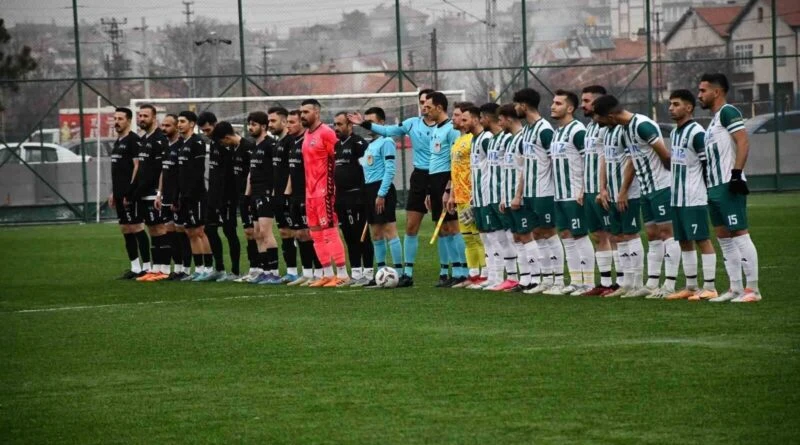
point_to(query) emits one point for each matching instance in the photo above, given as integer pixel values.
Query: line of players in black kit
(159, 181)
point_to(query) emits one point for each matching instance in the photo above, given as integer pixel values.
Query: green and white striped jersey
(720, 147)
(640, 133)
(479, 168)
(513, 168)
(591, 163)
(688, 152)
(616, 157)
(567, 152)
(536, 140)
(497, 150)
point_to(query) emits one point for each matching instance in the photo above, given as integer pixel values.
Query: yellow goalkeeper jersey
(460, 173)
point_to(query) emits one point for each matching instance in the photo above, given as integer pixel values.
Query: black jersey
(192, 168)
(220, 175)
(280, 162)
(125, 150)
(349, 175)
(262, 180)
(169, 171)
(296, 170)
(151, 156)
(241, 164)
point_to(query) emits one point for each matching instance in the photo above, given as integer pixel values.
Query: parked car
(90, 145)
(761, 132)
(38, 153)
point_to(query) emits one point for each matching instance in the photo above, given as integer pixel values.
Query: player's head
(681, 105)
(588, 95)
(257, 124)
(309, 112)
(458, 111)
(294, 123)
(146, 117)
(713, 88)
(471, 118)
(376, 115)
(276, 119)
(507, 117)
(423, 94)
(488, 114)
(122, 119)
(169, 125)
(224, 134)
(525, 101)
(342, 125)
(206, 121)
(607, 110)
(436, 104)
(564, 104)
(186, 122)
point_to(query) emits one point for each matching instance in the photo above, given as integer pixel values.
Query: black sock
(144, 246)
(155, 249)
(272, 258)
(166, 249)
(252, 253)
(186, 252)
(263, 260)
(289, 252)
(176, 247)
(198, 261)
(216, 246)
(234, 247)
(208, 259)
(306, 249)
(367, 252)
(130, 246)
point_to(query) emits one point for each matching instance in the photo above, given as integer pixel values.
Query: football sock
(556, 259)
(410, 245)
(234, 246)
(272, 260)
(131, 247)
(396, 250)
(216, 246)
(586, 254)
(380, 252)
(289, 251)
(522, 264)
(672, 261)
(636, 253)
(733, 262)
(617, 267)
(689, 259)
(655, 256)
(368, 253)
(749, 259)
(709, 270)
(533, 253)
(604, 260)
(144, 246)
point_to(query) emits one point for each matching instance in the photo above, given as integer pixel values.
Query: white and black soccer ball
(387, 277)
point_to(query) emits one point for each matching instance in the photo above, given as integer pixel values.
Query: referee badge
(370, 159)
(437, 147)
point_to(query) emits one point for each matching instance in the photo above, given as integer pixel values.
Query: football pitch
(86, 359)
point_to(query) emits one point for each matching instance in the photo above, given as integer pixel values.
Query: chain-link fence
(56, 126)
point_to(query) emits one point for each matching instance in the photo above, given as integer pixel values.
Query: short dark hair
(438, 99)
(206, 117)
(473, 110)
(507, 110)
(126, 110)
(172, 115)
(684, 95)
(294, 113)
(426, 92)
(188, 115)
(528, 96)
(148, 107)
(341, 113)
(377, 111)
(605, 105)
(314, 102)
(594, 89)
(718, 79)
(489, 108)
(572, 98)
(221, 130)
(280, 111)
(463, 105)
(258, 117)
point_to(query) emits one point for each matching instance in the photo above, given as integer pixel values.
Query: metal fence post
(80, 109)
(242, 63)
(649, 60)
(524, 44)
(400, 77)
(776, 133)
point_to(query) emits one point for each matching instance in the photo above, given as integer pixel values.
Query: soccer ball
(387, 277)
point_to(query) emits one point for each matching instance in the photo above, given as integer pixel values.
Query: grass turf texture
(221, 363)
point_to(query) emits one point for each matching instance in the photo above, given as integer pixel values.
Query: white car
(761, 132)
(38, 153)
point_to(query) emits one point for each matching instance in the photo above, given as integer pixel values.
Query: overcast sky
(258, 14)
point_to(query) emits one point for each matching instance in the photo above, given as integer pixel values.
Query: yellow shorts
(465, 228)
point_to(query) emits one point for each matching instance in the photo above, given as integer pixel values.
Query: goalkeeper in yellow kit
(459, 196)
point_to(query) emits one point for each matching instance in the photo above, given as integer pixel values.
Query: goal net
(398, 106)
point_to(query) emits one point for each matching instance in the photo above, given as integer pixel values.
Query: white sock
(655, 256)
(709, 270)
(291, 270)
(636, 253)
(474, 271)
(733, 262)
(533, 253)
(544, 260)
(749, 259)
(507, 253)
(369, 273)
(556, 259)
(617, 267)
(486, 260)
(522, 264)
(146, 267)
(622, 263)
(318, 273)
(177, 268)
(604, 260)
(672, 261)
(573, 260)
(308, 273)
(689, 259)
(341, 272)
(356, 273)
(327, 271)
(135, 266)
(586, 255)
(165, 269)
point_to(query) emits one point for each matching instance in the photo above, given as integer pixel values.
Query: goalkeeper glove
(737, 186)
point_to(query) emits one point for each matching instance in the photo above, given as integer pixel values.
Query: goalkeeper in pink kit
(318, 161)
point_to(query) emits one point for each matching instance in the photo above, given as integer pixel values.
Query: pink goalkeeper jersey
(318, 161)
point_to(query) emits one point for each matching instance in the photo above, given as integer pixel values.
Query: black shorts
(246, 212)
(171, 216)
(297, 214)
(127, 214)
(152, 216)
(438, 185)
(389, 206)
(262, 207)
(280, 208)
(419, 188)
(192, 212)
(221, 215)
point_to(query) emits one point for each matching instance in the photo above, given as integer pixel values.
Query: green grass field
(88, 360)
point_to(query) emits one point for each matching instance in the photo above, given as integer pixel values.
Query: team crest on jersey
(370, 159)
